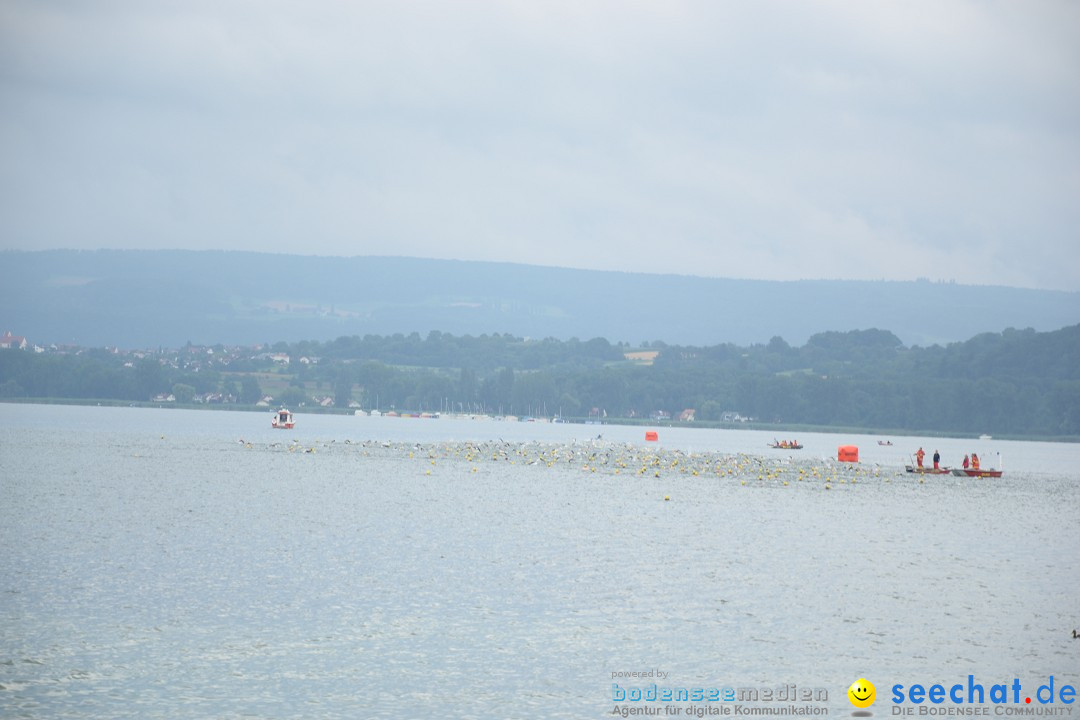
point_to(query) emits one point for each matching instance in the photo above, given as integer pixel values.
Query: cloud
(770, 140)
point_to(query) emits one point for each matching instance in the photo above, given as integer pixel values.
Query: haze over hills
(131, 298)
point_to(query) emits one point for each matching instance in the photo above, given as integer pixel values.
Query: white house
(12, 342)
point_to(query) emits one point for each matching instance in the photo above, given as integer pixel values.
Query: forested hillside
(135, 299)
(1018, 382)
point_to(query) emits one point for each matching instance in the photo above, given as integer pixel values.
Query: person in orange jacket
(919, 456)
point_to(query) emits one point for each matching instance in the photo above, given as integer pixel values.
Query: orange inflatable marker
(847, 453)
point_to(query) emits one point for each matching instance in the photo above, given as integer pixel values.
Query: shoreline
(632, 422)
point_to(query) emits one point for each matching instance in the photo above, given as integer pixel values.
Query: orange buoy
(847, 453)
(651, 436)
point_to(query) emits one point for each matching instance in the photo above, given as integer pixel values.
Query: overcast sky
(775, 140)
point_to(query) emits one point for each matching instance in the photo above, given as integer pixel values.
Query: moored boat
(282, 420)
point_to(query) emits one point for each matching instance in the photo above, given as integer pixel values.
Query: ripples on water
(154, 570)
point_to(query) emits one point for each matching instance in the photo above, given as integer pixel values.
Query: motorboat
(976, 472)
(282, 420)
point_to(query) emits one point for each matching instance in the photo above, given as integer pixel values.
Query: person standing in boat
(967, 462)
(937, 459)
(974, 461)
(919, 456)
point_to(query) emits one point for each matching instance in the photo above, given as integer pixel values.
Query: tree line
(1017, 382)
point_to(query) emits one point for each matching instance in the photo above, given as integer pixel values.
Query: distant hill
(132, 298)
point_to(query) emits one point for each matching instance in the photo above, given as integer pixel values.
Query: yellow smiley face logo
(862, 693)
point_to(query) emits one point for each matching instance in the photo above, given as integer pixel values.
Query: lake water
(187, 564)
